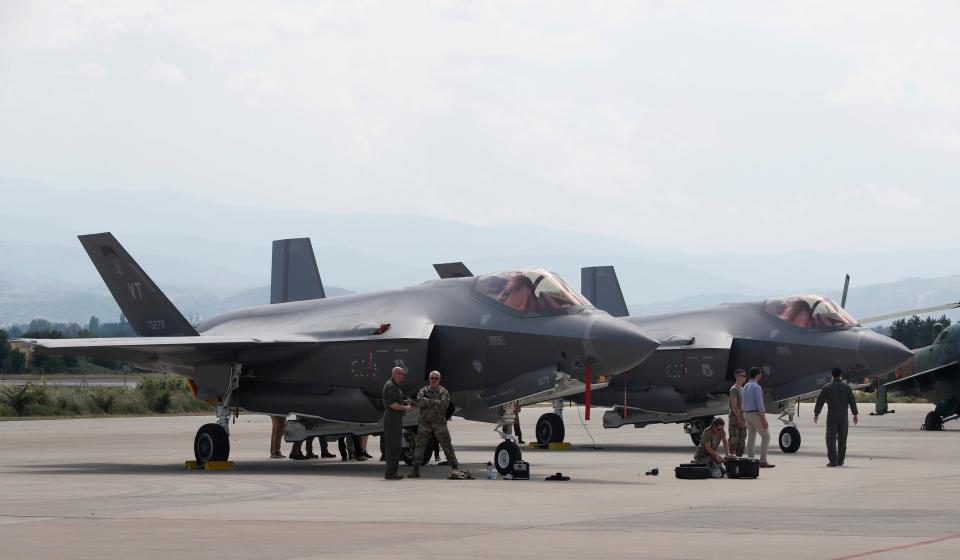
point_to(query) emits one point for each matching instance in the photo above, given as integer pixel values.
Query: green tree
(18, 361)
(43, 362)
(4, 348)
(914, 332)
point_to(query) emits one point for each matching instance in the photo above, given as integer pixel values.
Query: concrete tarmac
(115, 488)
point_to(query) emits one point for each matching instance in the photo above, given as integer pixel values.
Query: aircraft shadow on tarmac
(369, 469)
(588, 448)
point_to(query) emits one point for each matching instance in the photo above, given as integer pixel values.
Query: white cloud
(680, 118)
(252, 82)
(944, 139)
(90, 70)
(163, 72)
(883, 199)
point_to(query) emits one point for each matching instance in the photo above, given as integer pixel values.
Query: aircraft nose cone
(617, 345)
(882, 354)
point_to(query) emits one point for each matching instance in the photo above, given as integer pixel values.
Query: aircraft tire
(789, 439)
(550, 428)
(703, 424)
(406, 453)
(211, 444)
(505, 456)
(933, 421)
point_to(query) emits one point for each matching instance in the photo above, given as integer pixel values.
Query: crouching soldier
(708, 451)
(433, 401)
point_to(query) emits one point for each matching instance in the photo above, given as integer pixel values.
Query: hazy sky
(693, 125)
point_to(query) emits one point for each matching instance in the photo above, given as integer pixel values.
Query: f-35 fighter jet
(507, 336)
(797, 340)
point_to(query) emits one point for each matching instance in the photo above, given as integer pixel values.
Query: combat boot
(415, 473)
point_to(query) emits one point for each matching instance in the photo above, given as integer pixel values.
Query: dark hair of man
(718, 421)
(754, 372)
(836, 372)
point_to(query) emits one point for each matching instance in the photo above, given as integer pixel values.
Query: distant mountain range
(207, 256)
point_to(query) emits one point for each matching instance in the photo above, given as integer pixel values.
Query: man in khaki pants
(756, 416)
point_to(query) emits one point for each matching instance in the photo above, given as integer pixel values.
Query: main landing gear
(696, 427)
(410, 448)
(508, 452)
(212, 442)
(933, 422)
(550, 427)
(789, 436)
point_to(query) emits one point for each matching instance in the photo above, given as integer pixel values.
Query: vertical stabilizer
(146, 308)
(599, 284)
(294, 275)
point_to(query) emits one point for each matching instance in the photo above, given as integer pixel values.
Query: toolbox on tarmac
(521, 470)
(692, 471)
(741, 467)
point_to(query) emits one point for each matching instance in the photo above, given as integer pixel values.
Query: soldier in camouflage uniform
(710, 439)
(433, 401)
(738, 426)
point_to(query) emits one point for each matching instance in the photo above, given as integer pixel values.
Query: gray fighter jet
(507, 336)
(797, 340)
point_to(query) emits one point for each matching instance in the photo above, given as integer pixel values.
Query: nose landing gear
(789, 439)
(508, 452)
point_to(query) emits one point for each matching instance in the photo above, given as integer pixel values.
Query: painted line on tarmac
(901, 547)
(11, 519)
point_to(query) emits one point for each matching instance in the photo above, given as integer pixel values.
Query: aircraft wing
(898, 314)
(925, 380)
(816, 393)
(191, 350)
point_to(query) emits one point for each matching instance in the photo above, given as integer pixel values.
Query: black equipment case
(741, 467)
(521, 470)
(692, 471)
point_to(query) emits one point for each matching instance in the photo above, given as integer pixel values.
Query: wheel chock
(210, 466)
(558, 445)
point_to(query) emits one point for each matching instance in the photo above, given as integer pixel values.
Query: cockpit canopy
(809, 312)
(530, 290)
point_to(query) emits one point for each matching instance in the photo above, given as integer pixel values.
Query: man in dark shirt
(838, 396)
(394, 407)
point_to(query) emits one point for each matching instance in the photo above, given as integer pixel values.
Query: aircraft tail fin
(599, 284)
(452, 270)
(294, 273)
(146, 308)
